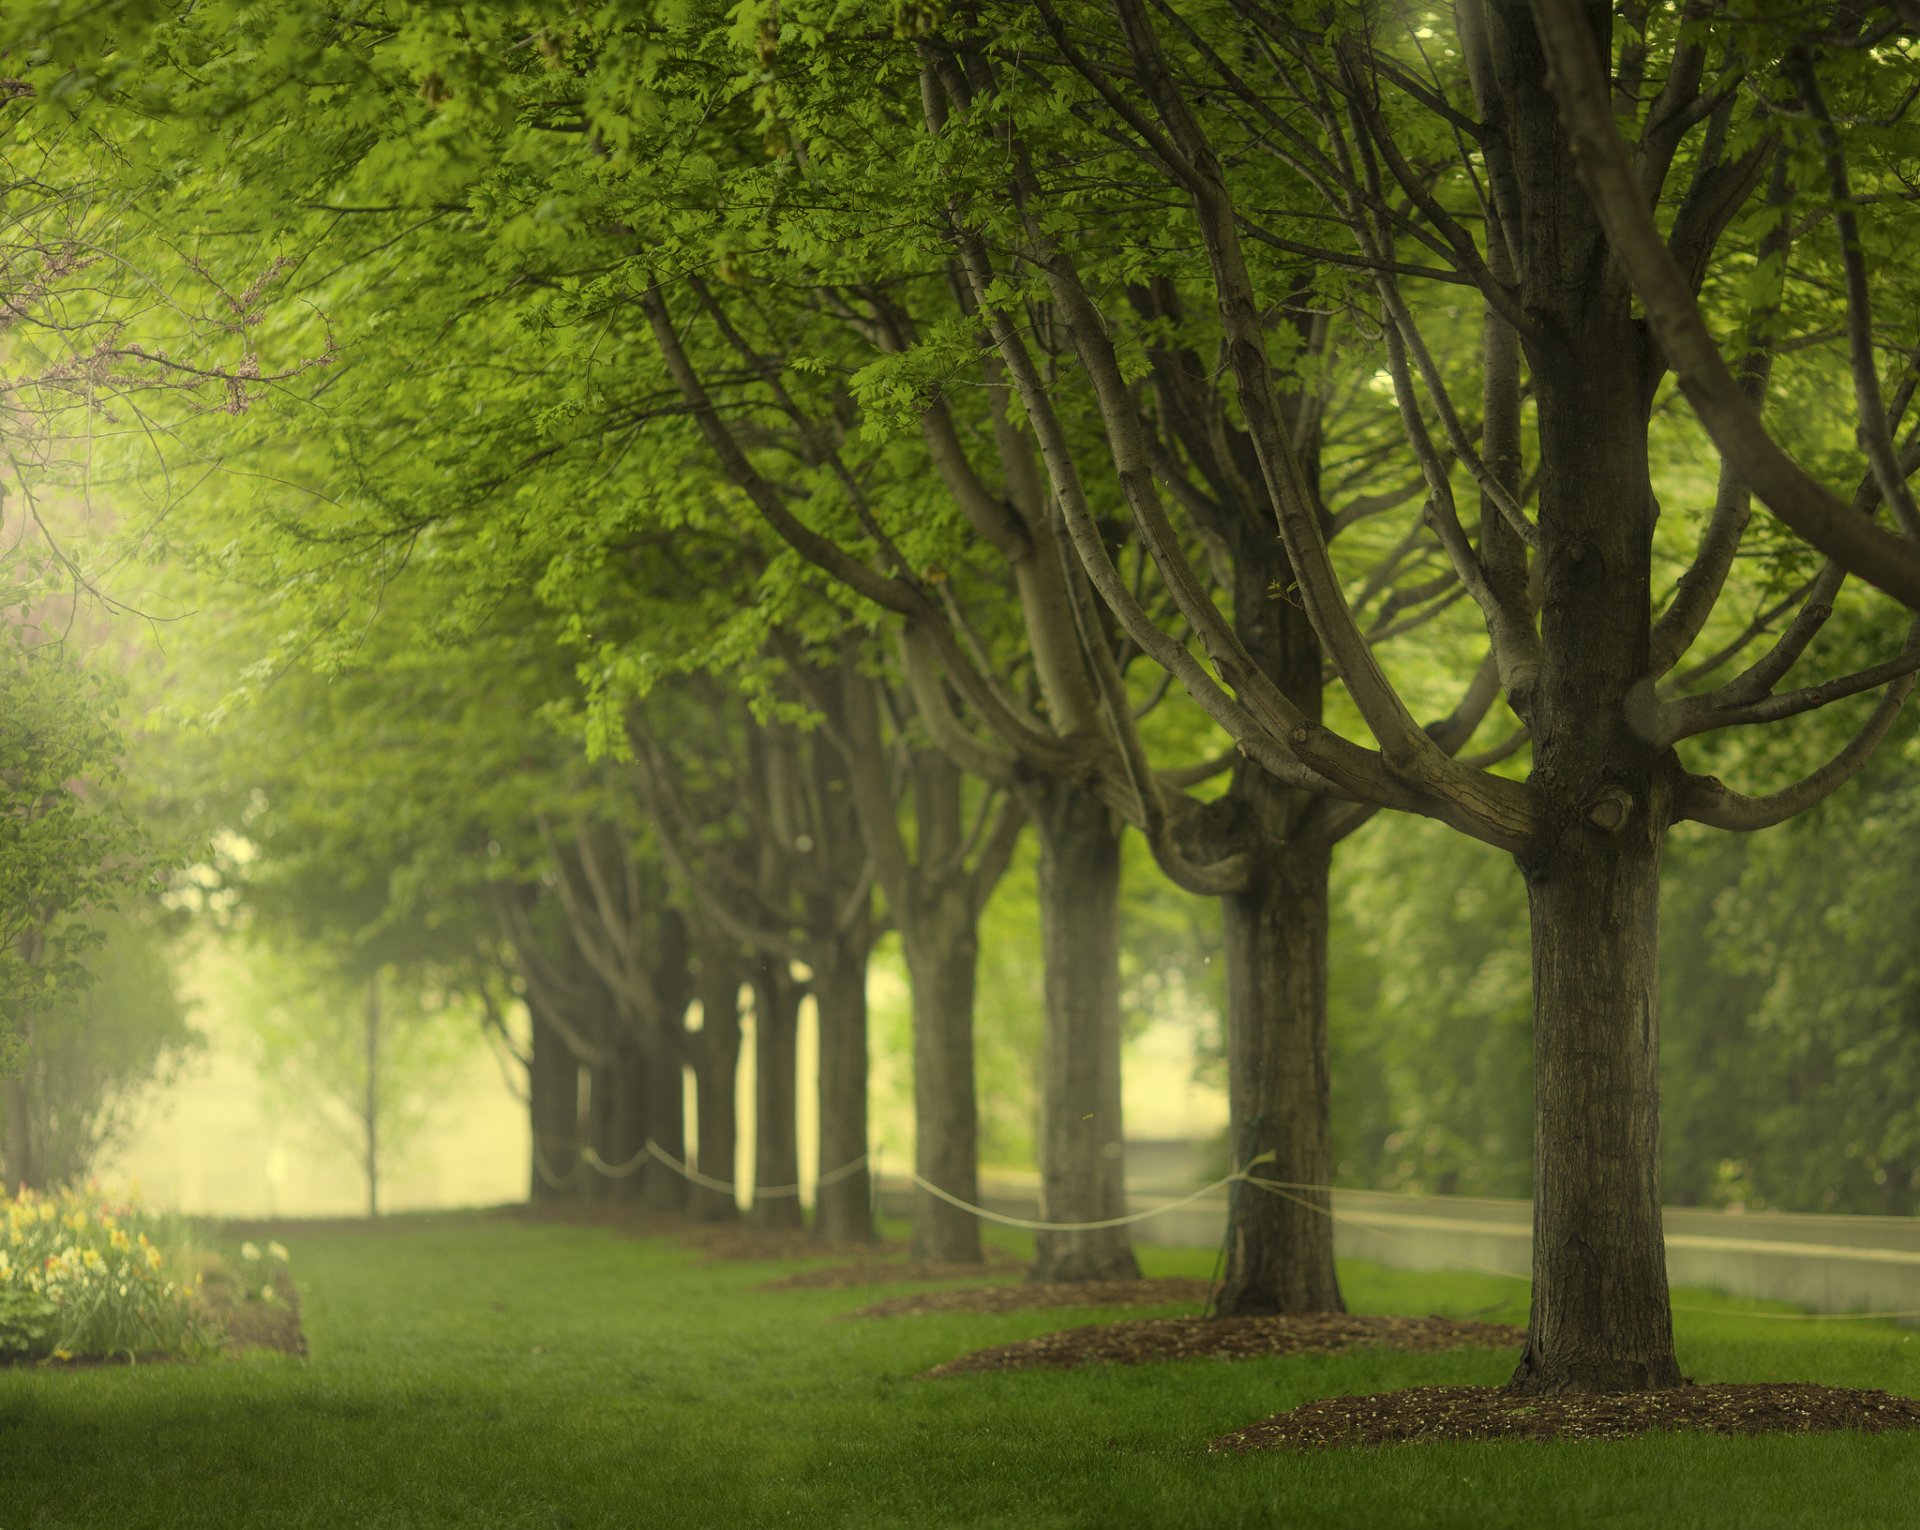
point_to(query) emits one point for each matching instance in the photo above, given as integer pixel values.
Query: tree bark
(1600, 1319)
(662, 1187)
(1280, 1242)
(715, 1074)
(941, 945)
(776, 1153)
(553, 1113)
(843, 1197)
(617, 1124)
(1082, 1167)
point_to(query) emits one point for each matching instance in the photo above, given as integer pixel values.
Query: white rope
(545, 1170)
(1030, 1225)
(686, 1171)
(591, 1156)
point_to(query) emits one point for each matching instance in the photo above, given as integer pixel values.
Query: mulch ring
(1031, 1295)
(886, 1270)
(1420, 1415)
(1145, 1340)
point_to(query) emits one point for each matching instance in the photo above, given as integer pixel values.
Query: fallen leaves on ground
(1035, 1294)
(1427, 1414)
(1145, 1340)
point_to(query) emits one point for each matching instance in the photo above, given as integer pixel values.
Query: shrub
(81, 1276)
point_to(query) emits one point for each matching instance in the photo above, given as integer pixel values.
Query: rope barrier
(1284, 1189)
(1030, 1225)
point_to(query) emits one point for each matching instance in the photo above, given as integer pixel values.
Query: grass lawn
(476, 1371)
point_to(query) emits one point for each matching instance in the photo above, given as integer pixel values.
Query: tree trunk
(715, 1078)
(1600, 1319)
(942, 949)
(553, 1114)
(617, 1125)
(1274, 934)
(776, 1151)
(370, 1111)
(664, 1188)
(1082, 1168)
(843, 1194)
(1280, 1242)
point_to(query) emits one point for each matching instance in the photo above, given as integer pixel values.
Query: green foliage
(82, 1275)
(67, 846)
(94, 1051)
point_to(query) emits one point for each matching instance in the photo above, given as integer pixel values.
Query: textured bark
(553, 1113)
(776, 1153)
(1280, 1242)
(716, 1070)
(942, 950)
(1082, 1163)
(1279, 1249)
(1601, 1319)
(843, 1201)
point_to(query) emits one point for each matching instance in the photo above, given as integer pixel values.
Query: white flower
(250, 1251)
(279, 1251)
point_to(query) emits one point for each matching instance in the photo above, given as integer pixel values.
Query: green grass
(479, 1372)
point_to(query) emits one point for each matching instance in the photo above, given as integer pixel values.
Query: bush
(83, 1277)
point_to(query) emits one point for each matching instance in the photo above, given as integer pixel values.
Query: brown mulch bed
(255, 1322)
(885, 1270)
(1145, 1340)
(1420, 1415)
(1035, 1294)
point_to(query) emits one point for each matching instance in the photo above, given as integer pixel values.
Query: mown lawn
(476, 1371)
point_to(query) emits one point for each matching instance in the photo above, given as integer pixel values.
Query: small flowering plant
(83, 1275)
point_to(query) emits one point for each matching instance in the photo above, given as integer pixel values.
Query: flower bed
(86, 1277)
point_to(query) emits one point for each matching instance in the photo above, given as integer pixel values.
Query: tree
(91, 1054)
(1376, 127)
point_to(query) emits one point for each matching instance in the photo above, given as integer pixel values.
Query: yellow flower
(279, 1251)
(153, 1257)
(118, 1238)
(250, 1251)
(63, 1354)
(91, 1259)
(77, 1221)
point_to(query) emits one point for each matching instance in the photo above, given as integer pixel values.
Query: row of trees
(877, 432)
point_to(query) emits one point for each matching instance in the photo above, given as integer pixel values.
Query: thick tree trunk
(1280, 1241)
(553, 1114)
(715, 1078)
(662, 1187)
(1274, 932)
(843, 1194)
(1601, 1319)
(617, 1125)
(776, 1153)
(942, 949)
(1082, 1164)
